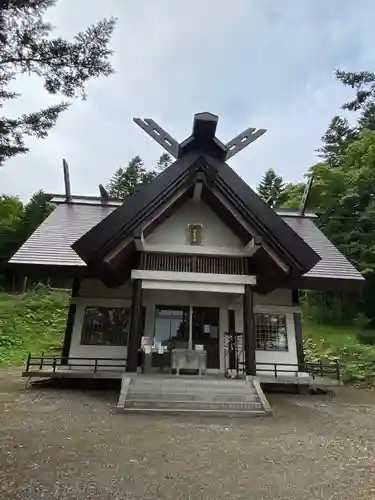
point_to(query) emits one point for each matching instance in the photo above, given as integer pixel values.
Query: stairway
(192, 394)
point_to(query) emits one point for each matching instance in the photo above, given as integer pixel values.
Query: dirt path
(71, 444)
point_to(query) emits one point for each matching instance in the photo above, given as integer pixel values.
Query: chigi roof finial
(202, 139)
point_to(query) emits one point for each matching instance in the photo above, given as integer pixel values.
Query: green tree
(11, 209)
(363, 82)
(34, 213)
(164, 162)
(27, 47)
(18, 221)
(367, 117)
(335, 140)
(126, 180)
(271, 188)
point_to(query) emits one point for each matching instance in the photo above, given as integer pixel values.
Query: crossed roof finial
(202, 138)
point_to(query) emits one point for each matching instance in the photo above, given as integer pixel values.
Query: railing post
(28, 362)
(96, 365)
(41, 361)
(321, 367)
(54, 364)
(275, 369)
(337, 369)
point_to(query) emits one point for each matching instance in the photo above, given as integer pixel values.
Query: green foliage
(330, 308)
(32, 322)
(164, 161)
(336, 140)
(271, 188)
(363, 82)
(366, 337)
(18, 221)
(367, 118)
(65, 67)
(330, 343)
(127, 180)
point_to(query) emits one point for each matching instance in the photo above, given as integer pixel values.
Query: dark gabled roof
(96, 243)
(219, 177)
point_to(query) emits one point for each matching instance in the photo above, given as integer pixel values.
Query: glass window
(271, 332)
(105, 326)
(171, 326)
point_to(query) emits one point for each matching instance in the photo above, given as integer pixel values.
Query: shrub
(366, 337)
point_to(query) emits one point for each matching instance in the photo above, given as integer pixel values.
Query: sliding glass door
(171, 327)
(205, 332)
(186, 327)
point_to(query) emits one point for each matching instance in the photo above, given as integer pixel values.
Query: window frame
(261, 336)
(122, 336)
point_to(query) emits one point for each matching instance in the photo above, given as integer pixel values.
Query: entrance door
(205, 331)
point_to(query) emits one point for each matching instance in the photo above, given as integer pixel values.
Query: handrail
(314, 369)
(55, 361)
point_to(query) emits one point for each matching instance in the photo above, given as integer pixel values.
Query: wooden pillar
(70, 323)
(249, 330)
(297, 316)
(135, 327)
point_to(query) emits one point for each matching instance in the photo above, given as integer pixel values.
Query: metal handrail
(55, 361)
(319, 369)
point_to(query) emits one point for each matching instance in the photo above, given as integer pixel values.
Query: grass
(32, 322)
(333, 336)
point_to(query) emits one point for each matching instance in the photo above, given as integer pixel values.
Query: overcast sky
(264, 63)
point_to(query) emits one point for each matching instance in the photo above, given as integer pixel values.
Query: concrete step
(178, 386)
(204, 380)
(189, 396)
(201, 412)
(192, 405)
(178, 389)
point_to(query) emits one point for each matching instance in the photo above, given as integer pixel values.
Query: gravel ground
(72, 444)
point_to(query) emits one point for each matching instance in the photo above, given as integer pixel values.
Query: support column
(297, 316)
(249, 330)
(134, 338)
(70, 323)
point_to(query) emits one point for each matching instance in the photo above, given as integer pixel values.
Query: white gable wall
(173, 231)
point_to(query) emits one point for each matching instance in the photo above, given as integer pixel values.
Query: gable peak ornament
(202, 139)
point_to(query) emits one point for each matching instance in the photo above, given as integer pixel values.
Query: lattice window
(271, 332)
(107, 326)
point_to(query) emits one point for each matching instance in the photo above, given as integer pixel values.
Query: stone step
(189, 390)
(202, 412)
(180, 383)
(224, 382)
(187, 396)
(204, 395)
(192, 405)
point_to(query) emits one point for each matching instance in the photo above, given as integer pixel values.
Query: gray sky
(265, 63)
